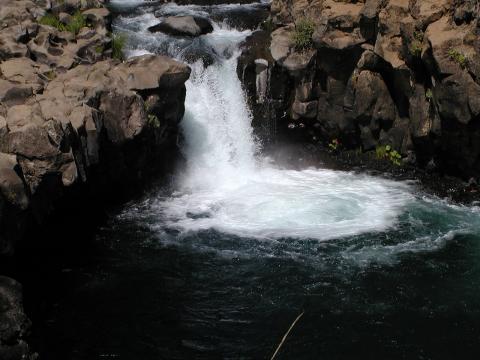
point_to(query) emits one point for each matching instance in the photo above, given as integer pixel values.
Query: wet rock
(183, 26)
(14, 324)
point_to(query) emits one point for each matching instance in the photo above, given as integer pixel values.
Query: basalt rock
(183, 26)
(56, 138)
(403, 73)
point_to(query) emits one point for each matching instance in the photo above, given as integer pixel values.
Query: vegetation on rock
(76, 23)
(303, 33)
(386, 152)
(458, 57)
(118, 44)
(416, 46)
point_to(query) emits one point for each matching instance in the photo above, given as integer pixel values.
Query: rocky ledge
(401, 75)
(78, 128)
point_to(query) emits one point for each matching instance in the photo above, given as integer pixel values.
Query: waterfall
(229, 187)
(219, 141)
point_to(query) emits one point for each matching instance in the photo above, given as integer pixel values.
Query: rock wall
(71, 115)
(403, 73)
(77, 129)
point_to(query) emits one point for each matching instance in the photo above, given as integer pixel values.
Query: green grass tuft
(118, 44)
(302, 36)
(77, 22)
(52, 20)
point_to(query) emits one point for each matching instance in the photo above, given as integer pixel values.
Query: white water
(229, 187)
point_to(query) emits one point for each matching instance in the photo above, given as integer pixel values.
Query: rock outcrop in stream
(403, 73)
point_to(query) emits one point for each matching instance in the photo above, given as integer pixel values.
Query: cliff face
(77, 129)
(403, 73)
(71, 117)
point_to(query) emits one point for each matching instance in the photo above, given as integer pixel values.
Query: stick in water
(286, 334)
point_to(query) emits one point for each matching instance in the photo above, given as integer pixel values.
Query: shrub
(416, 48)
(458, 57)
(386, 152)
(77, 22)
(153, 121)
(429, 94)
(118, 44)
(334, 144)
(302, 36)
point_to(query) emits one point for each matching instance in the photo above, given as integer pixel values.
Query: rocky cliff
(78, 128)
(367, 74)
(70, 115)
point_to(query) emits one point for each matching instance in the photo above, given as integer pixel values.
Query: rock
(373, 103)
(90, 116)
(14, 324)
(298, 61)
(369, 18)
(282, 43)
(183, 26)
(11, 184)
(457, 98)
(402, 72)
(99, 18)
(306, 110)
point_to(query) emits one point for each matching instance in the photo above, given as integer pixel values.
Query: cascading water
(220, 266)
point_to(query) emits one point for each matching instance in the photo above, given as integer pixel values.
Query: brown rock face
(70, 117)
(400, 72)
(61, 134)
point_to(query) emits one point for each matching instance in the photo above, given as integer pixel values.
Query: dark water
(213, 296)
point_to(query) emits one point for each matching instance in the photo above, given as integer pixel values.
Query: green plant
(52, 20)
(458, 57)
(153, 121)
(418, 35)
(388, 153)
(99, 49)
(416, 45)
(334, 144)
(50, 75)
(429, 94)
(416, 48)
(302, 36)
(76, 23)
(118, 43)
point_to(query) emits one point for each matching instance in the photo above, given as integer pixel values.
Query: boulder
(14, 324)
(183, 26)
